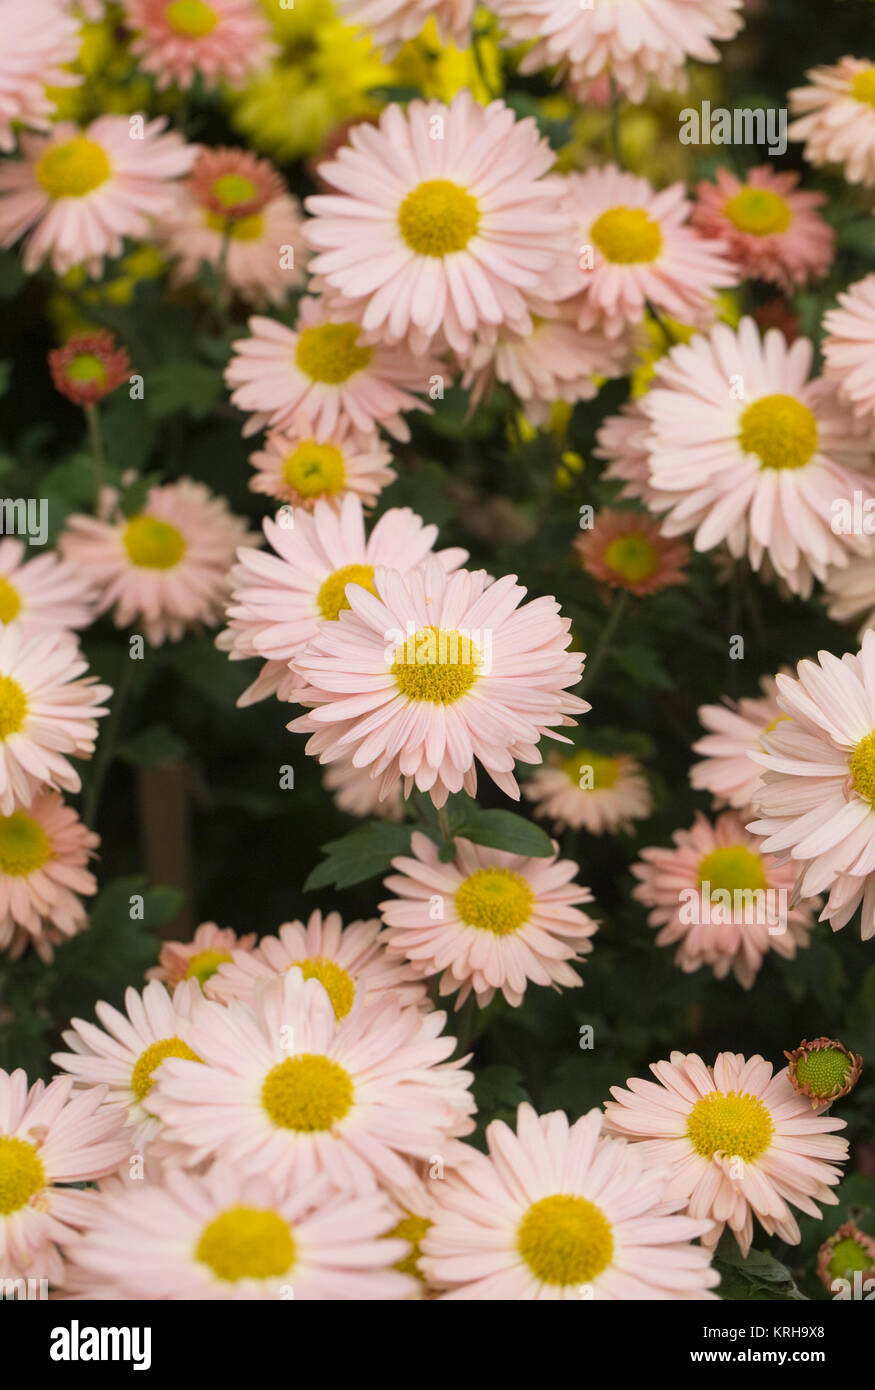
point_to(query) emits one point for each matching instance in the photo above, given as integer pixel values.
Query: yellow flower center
(73, 169)
(152, 544)
(496, 900)
(315, 470)
(142, 1079)
(565, 1240)
(337, 983)
(627, 235)
(591, 771)
(734, 868)
(331, 598)
(330, 352)
(10, 601)
(862, 768)
(823, 1070)
(24, 845)
(863, 87)
(732, 1123)
(191, 17)
(436, 664)
(13, 707)
(780, 430)
(438, 218)
(247, 1243)
(21, 1174)
(241, 228)
(411, 1228)
(848, 1256)
(85, 367)
(205, 964)
(231, 189)
(758, 211)
(633, 557)
(308, 1093)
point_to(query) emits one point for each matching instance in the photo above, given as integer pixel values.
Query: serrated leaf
(504, 830)
(363, 853)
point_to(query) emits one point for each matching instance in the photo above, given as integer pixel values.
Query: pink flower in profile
(390, 23)
(431, 674)
(836, 117)
(650, 40)
(279, 601)
(349, 962)
(431, 238)
(44, 853)
(816, 803)
(637, 249)
(167, 566)
(850, 592)
(560, 1211)
(76, 194)
(220, 41)
(232, 1236)
(739, 1141)
(48, 713)
(773, 230)
(41, 594)
(626, 550)
(200, 958)
(357, 794)
(623, 440)
(722, 900)
(48, 1140)
(39, 40)
(735, 730)
(287, 1089)
(746, 448)
(297, 468)
(324, 372)
(849, 346)
(503, 919)
(596, 792)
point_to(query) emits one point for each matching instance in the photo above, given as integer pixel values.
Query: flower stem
(106, 745)
(603, 646)
(98, 453)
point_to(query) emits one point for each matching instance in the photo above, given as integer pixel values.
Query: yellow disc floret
(862, 768)
(308, 1093)
(24, 845)
(437, 665)
(633, 557)
(626, 236)
(22, 1174)
(72, 169)
(337, 982)
(733, 1123)
(13, 707)
(152, 544)
(438, 218)
(330, 352)
(247, 1243)
(314, 470)
(495, 900)
(780, 430)
(191, 17)
(142, 1078)
(10, 601)
(734, 868)
(331, 598)
(758, 211)
(565, 1240)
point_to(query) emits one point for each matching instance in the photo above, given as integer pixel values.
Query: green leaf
(133, 498)
(363, 853)
(504, 830)
(190, 386)
(758, 1276)
(644, 666)
(157, 744)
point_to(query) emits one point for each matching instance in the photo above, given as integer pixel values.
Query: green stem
(97, 452)
(603, 646)
(444, 822)
(105, 746)
(223, 295)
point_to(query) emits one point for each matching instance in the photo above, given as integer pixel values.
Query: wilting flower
(726, 903)
(739, 1141)
(79, 193)
(430, 674)
(41, 594)
(773, 230)
(849, 346)
(597, 792)
(88, 367)
(216, 40)
(200, 958)
(735, 730)
(848, 1251)
(559, 1211)
(627, 550)
(39, 41)
(44, 852)
(299, 469)
(487, 920)
(167, 566)
(836, 117)
(823, 1070)
(432, 238)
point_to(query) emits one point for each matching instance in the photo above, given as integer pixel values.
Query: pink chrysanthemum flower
(738, 1139)
(487, 920)
(554, 362)
(123, 1057)
(816, 802)
(650, 39)
(41, 594)
(746, 449)
(391, 23)
(233, 1236)
(773, 230)
(596, 792)
(635, 248)
(627, 550)
(849, 347)
(324, 372)
(725, 902)
(233, 183)
(39, 39)
(358, 794)
(434, 672)
(48, 1139)
(200, 958)
(350, 963)
(297, 468)
(167, 566)
(850, 593)
(440, 237)
(561, 1211)
(88, 367)
(220, 41)
(623, 441)
(79, 193)
(288, 1090)
(280, 601)
(734, 732)
(44, 852)
(48, 713)
(836, 117)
